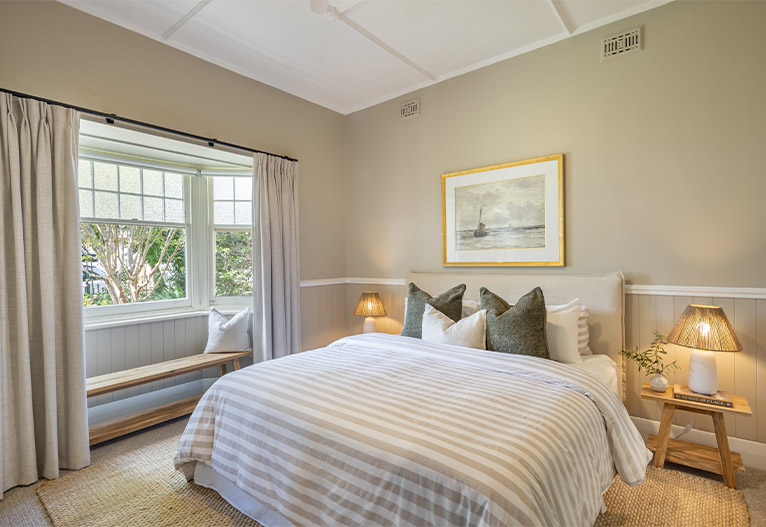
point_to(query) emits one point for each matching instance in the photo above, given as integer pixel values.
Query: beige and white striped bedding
(379, 430)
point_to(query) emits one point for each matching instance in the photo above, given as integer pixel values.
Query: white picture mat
(550, 253)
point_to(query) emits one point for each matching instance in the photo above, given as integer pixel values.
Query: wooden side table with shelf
(719, 460)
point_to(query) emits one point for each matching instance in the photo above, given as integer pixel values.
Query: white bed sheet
(603, 368)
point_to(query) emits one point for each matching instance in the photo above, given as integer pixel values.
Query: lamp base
(369, 325)
(703, 372)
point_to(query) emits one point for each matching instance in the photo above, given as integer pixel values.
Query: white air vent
(621, 43)
(409, 109)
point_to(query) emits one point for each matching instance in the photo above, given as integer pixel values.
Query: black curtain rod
(111, 118)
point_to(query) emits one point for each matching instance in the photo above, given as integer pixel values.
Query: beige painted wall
(54, 51)
(664, 178)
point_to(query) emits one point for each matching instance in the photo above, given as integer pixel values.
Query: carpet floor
(123, 470)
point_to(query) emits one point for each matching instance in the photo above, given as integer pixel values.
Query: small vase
(658, 383)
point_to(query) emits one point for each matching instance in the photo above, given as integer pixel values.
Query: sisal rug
(143, 488)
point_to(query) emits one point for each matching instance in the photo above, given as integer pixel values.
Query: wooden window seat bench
(121, 380)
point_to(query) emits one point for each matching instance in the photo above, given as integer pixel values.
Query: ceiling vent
(621, 43)
(409, 109)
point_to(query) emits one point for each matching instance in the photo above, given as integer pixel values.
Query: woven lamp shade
(704, 328)
(370, 305)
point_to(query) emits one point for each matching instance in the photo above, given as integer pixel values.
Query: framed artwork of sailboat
(505, 215)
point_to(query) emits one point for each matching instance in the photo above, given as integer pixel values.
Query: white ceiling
(373, 50)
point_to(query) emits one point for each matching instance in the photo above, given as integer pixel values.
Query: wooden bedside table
(720, 461)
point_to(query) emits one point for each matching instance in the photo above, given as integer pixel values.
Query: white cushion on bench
(226, 335)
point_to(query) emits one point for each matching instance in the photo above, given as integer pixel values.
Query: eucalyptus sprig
(651, 360)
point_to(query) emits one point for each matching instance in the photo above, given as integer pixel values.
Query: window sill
(129, 319)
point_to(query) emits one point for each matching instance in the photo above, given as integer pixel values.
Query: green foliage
(233, 263)
(651, 359)
(137, 263)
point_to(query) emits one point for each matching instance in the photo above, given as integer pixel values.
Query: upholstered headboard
(603, 294)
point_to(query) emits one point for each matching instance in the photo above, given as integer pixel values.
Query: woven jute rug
(143, 489)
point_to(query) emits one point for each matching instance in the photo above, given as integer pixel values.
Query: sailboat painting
(505, 215)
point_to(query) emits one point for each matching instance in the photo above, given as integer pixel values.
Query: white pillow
(562, 332)
(469, 308)
(583, 332)
(224, 335)
(470, 332)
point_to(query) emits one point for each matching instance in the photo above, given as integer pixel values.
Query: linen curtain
(43, 408)
(276, 276)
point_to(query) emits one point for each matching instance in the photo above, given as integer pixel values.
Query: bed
(383, 430)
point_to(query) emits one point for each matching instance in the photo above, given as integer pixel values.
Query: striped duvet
(379, 430)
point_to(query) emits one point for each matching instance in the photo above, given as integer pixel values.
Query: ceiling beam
(188, 16)
(344, 5)
(372, 38)
(561, 15)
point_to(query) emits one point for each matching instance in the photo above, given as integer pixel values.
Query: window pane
(174, 210)
(130, 207)
(130, 180)
(84, 178)
(223, 187)
(174, 185)
(106, 205)
(153, 209)
(105, 176)
(131, 280)
(233, 263)
(243, 211)
(223, 212)
(86, 204)
(153, 182)
(243, 188)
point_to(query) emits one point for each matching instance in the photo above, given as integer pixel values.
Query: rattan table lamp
(706, 330)
(370, 306)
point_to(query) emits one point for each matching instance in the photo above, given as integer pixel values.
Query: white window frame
(199, 248)
(212, 229)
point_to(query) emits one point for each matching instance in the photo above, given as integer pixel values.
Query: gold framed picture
(505, 215)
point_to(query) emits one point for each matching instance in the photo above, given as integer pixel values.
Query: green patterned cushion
(516, 329)
(449, 302)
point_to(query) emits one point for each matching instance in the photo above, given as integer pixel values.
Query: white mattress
(603, 368)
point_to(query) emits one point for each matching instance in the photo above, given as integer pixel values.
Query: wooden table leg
(223, 369)
(664, 434)
(235, 364)
(727, 468)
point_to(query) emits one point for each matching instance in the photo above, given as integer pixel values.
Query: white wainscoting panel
(122, 347)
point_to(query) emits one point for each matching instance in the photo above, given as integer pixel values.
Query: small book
(719, 398)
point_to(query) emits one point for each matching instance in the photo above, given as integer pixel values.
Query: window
(232, 211)
(134, 232)
(165, 225)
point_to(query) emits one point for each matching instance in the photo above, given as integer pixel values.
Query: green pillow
(449, 302)
(518, 329)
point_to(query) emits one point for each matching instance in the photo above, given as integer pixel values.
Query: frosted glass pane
(130, 207)
(152, 209)
(105, 176)
(106, 205)
(153, 182)
(243, 211)
(223, 188)
(223, 212)
(86, 204)
(243, 188)
(130, 180)
(174, 185)
(84, 178)
(174, 210)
